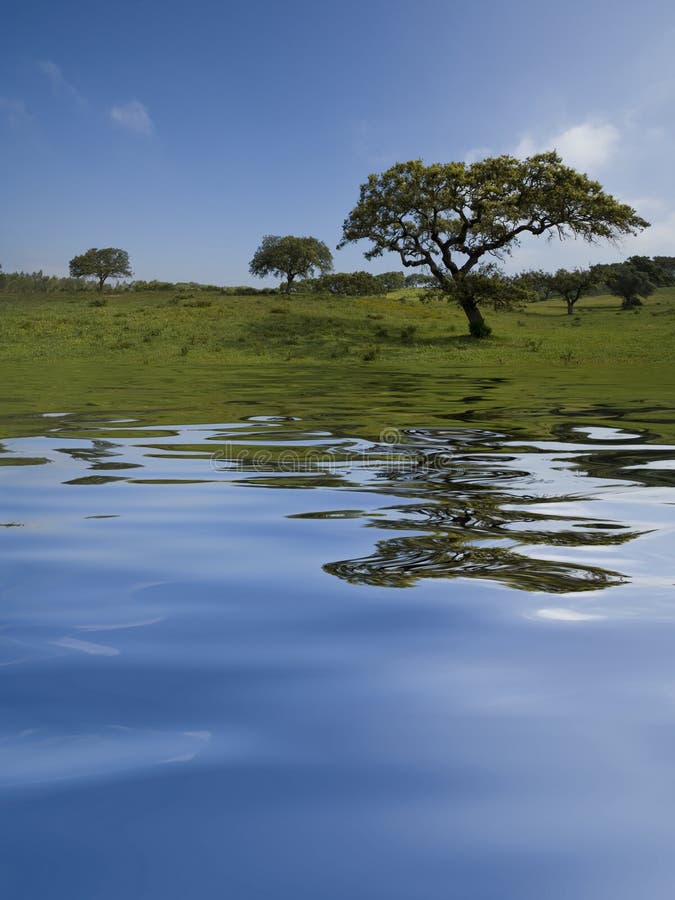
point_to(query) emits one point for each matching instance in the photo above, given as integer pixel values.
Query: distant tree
(573, 284)
(668, 264)
(488, 284)
(109, 262)
(627, 282)
(418, 280)
(659, 275)
(291, 257)
(348, 284)
(536, 280)
(391, 281)
(449, 217)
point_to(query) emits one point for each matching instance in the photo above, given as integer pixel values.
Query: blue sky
(184, 132)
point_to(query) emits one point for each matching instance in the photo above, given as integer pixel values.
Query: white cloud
(526, 147)
(659, 240)
(60, 84)
(133, 116)
(589, 145)
(562, 614)
(14, 111)
(477, 153)
(648, 206)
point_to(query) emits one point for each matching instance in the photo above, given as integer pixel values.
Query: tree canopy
(660, 274)
(291, 257)
(349, 284)
(391, 281)
(667, 263)
(449, 217)
(536, 280)
(419, 279)
(109, 262)
(629, 283)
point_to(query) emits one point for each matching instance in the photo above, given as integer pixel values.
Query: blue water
(251, 660)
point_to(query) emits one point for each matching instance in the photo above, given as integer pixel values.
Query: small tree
(450, 217)
(291, 257)
(110, 262)
(629, 283)
(573, 284)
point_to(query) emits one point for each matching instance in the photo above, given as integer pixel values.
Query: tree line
(633, 280)
(452, 224)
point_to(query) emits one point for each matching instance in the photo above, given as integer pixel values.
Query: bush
(151, 285)
(349, 284)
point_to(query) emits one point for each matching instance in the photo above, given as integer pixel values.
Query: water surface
(267, 657)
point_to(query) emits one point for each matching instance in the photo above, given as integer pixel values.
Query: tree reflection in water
(482, 511)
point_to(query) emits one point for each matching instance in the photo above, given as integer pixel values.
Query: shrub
(350, 284)
(408, 334)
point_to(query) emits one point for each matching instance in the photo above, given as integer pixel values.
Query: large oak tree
(449, 217)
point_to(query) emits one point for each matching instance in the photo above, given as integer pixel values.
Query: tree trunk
(289, 283)
(477, 324)
(101, 281)
(570, 307)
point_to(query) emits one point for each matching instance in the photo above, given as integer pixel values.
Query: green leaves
(290, 257)
(110, 262)
(628, 282)
(432, 214)
(573, 284)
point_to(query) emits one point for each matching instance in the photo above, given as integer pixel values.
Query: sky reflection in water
(249, 661)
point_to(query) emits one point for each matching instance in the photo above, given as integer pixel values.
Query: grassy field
(352, 365)
(207, 327)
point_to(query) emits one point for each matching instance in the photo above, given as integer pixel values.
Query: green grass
(352, 364)
(152, 327)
